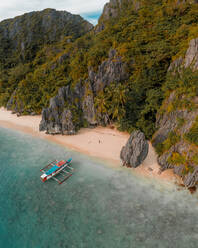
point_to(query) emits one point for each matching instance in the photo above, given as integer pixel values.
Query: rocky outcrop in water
(73, 106)
(135, 151)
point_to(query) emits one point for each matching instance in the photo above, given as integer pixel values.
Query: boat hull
(45, 177)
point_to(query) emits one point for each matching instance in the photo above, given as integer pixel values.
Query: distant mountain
(22, 36)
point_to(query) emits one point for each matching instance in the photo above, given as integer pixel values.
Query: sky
(89, 9)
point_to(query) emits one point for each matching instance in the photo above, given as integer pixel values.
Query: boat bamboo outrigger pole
(48, 165)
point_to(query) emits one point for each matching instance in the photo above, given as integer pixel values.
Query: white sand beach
(100, 142)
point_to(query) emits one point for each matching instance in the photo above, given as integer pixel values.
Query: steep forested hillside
(21, 38)
(144, 40)
(176, 139)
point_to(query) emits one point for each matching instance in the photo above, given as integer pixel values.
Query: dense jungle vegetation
(147, 40)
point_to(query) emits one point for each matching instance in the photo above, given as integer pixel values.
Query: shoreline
(102, 143)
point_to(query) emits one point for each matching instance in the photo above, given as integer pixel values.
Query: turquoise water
(98, 207)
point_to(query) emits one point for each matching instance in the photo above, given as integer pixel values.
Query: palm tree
(118, 99)
(101, 103)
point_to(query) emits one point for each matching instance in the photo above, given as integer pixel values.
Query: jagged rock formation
(74, 107)
(176, 123)
(111, 70)
(190, 59)
(169, 123)
(113, 9)
(68, 110)
(135, 151)
(17, 106)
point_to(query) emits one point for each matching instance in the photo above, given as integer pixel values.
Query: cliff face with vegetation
(176, 139)
(113, 10)
(22, 38)
(77, 105)
(135, 69)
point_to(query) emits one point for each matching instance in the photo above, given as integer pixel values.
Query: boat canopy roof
(53, 169)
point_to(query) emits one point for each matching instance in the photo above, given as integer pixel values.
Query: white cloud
(12, 8)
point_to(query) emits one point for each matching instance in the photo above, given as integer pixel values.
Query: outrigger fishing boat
(55, 168)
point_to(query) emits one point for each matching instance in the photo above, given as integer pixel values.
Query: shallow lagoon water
(98, 207)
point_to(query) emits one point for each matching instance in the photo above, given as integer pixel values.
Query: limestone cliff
(74, 106)
(69, 110)
(177, 121)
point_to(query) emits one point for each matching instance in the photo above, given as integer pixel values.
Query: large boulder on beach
(135, 151)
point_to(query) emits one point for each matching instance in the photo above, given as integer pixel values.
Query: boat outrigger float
(56, 168)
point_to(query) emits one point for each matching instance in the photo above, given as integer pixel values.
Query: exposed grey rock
(190, 59)
(191, 179)
(54, 118)
(175, 65)
(135, 151)
(68, 126)
(111, 70)
(180, 122)
(181, 147)
(77, 102)
(178, 170)
(89, 112)
(99, 28)
(110, 10)
(15, 105)
(59, 117)
(43, 126)
(169, 122)
(113, 9)
(11, 101)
